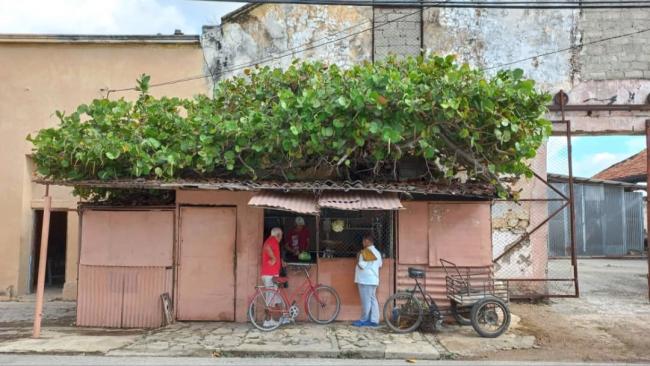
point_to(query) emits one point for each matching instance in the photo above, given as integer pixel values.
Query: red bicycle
(271, 307)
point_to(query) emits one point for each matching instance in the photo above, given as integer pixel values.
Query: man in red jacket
(271, 264)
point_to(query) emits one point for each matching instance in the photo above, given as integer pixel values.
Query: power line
(310, 47)
(567, 49)
(537, 5)
(289, 52)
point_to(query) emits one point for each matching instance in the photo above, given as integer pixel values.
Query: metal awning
(360, 201)
(295, 202)
(311, 204)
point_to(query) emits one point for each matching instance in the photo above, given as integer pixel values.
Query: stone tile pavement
(218, 339)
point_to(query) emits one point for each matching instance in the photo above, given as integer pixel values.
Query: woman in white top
(366, 276)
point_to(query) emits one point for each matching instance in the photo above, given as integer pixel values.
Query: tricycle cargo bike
(476, 299)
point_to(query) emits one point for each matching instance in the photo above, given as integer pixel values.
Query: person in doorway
(271, 265)
(297, 240)
(366, 276)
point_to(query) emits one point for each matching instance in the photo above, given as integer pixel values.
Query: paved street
(15, 360)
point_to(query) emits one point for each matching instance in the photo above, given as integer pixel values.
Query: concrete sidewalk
(208, 339)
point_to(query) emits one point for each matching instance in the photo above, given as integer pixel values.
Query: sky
(110, 16)
(591, 154)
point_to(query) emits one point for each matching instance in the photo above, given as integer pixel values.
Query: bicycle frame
(305, 288)
(427, 298)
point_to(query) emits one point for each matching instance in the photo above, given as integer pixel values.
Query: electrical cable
(537, 5)
(309, 46)
(291, 51)
(567, 49)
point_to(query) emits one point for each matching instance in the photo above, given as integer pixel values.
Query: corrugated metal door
(125, 264)
(206, 276)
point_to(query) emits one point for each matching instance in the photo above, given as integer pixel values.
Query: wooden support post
(42, 261)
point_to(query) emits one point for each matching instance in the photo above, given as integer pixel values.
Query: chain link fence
(523, 229)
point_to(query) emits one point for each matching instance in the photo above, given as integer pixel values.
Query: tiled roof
(632, 169)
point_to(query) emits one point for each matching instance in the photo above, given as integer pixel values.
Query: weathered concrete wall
(41, 75)
(277, 34)
(488, 38)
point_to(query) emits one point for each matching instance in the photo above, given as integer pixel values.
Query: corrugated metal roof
(301, 203)
(360, 201)
(468, 189)
(311, 204)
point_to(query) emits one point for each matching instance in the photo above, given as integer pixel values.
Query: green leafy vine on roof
(310, 120)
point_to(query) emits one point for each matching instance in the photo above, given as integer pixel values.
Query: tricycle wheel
(490, 317)
(403, 312)
(461, 313)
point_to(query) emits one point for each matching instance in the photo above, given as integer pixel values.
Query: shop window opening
(335, 234)
(341, 232)
(299, 234)
(56, 249)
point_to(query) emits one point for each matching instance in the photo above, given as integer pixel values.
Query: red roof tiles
(632, 169)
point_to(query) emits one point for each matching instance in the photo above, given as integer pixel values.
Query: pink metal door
(206, 272)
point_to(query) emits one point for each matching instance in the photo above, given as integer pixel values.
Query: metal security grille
(526, 231)
(397, 31)
(341, 232)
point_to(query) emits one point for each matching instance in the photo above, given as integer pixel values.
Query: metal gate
(521, 231)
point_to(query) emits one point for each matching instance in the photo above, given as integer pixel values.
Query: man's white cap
(300, 221)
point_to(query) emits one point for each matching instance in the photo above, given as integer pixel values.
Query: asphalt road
(37, 360)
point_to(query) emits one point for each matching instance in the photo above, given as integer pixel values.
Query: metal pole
(647, 196)
(572, 208)
(40, 287)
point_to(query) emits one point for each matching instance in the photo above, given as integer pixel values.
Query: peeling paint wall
(277, 34)
(488, 38)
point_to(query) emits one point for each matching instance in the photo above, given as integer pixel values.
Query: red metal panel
(142, 306)
(206, 278)
(99, 296)
(434, 283)
(460, 233)
(413, 231)
(127, 238)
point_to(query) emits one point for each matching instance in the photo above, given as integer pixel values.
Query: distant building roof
(92, 38)
(632, 169)
(561, 178)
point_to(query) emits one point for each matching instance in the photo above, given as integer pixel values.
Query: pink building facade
(205, 252)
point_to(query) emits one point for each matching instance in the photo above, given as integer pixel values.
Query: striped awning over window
(311, 204)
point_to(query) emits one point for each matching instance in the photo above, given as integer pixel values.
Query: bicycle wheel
(490, 317)
(266, 310)
(323, 305)
(403, 312)
(462, 314)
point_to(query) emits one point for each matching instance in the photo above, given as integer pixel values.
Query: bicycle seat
(280, 279)
(416, 273)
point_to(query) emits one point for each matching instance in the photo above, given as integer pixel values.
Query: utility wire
(588, 4)
(567, 49)
(273, 58)
(291, 51)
